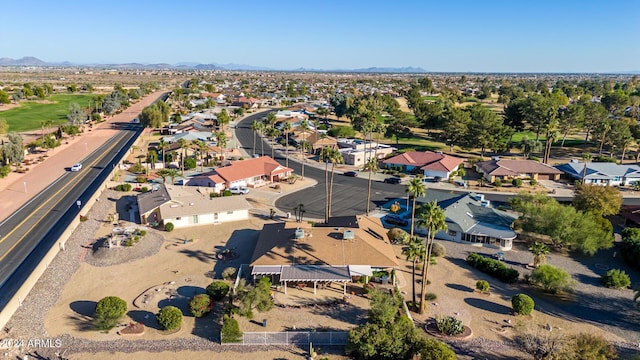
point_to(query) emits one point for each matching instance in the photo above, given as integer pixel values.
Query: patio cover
(315, 273)
(266, 270)
(360, 270)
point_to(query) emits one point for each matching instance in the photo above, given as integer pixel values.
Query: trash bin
(264, 323)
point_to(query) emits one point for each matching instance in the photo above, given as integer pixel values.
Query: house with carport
(254, 172)
(342, 251)
(504, 169)
(431, 164)
(601, 173)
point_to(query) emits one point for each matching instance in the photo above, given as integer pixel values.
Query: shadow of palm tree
(488, 306)
(459, 287)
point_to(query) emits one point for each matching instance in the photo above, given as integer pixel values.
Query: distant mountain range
(32, 61)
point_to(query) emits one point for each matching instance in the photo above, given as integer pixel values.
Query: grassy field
(30, 114)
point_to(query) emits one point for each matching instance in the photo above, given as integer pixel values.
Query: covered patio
(316, 276)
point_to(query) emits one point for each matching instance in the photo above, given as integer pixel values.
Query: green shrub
(143, 232)
(218, 290)
(398, 236)
(552, 279)
(438, 250)
(616, 278)
(228, 273)
(497, 183)
(230, 332)
(123, 187)
(200, 305)
(5, 171)
(227, 193)
(483, 286)
(169, 317)
(141, 179)
(168, 227)
(108, 312)
(402, 175)
(493, 267)
(449, 325)
(522, 304)
(189, 163)
(533, 182)
(588, 346)
(430, 296)
(137, 169)
(517, 182)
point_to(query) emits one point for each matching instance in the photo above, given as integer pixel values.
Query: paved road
(30, 232)
(349, 194)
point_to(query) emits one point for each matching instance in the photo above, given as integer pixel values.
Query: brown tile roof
(244, 169)
(191, 200)
(515, 167)
(428, 160)
(325, 245)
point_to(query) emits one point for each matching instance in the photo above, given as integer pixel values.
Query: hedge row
(493, 267)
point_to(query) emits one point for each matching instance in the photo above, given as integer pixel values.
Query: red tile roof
(515, 167)
(426, 160)
(244, 169)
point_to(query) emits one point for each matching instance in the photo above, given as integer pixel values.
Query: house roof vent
(348, 235)
(299, 234)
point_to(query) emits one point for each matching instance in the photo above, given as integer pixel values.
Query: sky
(437, 36)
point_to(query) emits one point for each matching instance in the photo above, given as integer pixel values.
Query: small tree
(517, 182)
(169, 317)
(616, 278)
(228, 273)
(200, 305)
(552, 279)
(168, 227)
(588, 346)
(218, 290)
(483, 286)
(522, 304)
(384, 307)
(230, 330)
(109, 310)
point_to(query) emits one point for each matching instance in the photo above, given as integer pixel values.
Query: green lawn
(29, 115)
(429, 98)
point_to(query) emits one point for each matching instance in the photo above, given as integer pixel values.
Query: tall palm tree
(163, 145)
(286, 128)
(304, 146)
(204, 153)
(539, 251)
(261, 128)
(272, 132)
(172, 173)
(371, 166)
(329, 154)
(433, 218)
(222, 139)
(336, 158)
(416, 189)
(415, 252)
(587, 158)
(605, 127)
(183, 146)
(255, 126)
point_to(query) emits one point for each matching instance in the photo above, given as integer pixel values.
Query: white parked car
(76, 167)
(239, 190)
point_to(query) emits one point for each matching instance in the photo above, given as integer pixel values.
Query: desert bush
(483, 286)
(140, 179)
(552, 279)
(228, 273)
(169, 317)
(168, 227)
(517, 182)
(144, 189)
(200, 305)
(616, 278)
(438, 250)
(218, 290)
(533, 182)
(430, 296)
(137, 168)
(398, 236)
(522, 304)
(123, 187)
(449, 325)
(5, 171)
(227, 193)
(190, 163)
(589, 346)
(230, 332)
(108, 312)
(493, 267)
(497, 183)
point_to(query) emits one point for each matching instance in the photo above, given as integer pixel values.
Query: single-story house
(345, 248)
(497, 168)
(253, 172)
(210, 180)
(188, 136)
(360, 157)
(189, 206)
(432, 164)
(601, 173)
(315, 138)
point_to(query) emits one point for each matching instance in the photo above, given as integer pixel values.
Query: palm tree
(336, 158)
(204, 150)
(416, 251)
(329, 154)
(272, 132)
(261, 128)
(587, 158)
(304, 146)
(416, 189)
(539, 251)
(433, 218)
(222, 139)
(172, 173)
(286, 127)
(183, 146)
(163, 145)
(606, 127)
(371, 166)
(255, 126)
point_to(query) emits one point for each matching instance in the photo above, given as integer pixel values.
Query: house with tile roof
(504, 169)
(472, 220)
(345, 248)
(189, 206)
(601, 173)
(254, 172)
(432, 164)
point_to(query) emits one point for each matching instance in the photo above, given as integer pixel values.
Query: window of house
(229, 212)
(178, 218)
(452, 233)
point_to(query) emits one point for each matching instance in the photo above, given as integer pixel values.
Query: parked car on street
(76, 167)
(239, 190)
(351, 174)
(392, 180)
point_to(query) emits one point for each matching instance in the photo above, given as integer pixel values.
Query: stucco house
(189, 206)
(605, 174)
(254, 172)
(432, 164)
(345, 248)
(497, 168)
